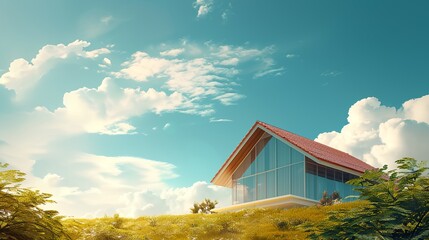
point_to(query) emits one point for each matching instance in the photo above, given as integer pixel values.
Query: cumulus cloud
(379, 134)
(104, 170)
(130, 186)
(23, 75)
(107, 108)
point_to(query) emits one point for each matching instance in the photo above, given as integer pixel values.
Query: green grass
(246, 224)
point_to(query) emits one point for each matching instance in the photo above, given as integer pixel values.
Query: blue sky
(132, 107)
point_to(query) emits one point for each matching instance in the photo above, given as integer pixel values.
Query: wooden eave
(224, 176)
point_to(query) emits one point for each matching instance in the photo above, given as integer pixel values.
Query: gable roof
(317, 150)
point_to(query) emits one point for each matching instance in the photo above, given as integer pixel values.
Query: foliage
(245, 224)
(329, 200)
(206, 206)
(398, 206)
(21, 216)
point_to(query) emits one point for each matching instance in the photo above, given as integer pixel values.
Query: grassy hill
(246, 224)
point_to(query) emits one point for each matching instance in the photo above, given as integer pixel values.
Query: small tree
(20, 214)
(398, 206)
(205, 206)
(195, 208)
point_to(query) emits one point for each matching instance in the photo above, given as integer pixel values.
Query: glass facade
(269, 171)
(273, 168)
(319, 178)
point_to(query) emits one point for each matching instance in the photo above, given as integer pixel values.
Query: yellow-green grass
(245, 224)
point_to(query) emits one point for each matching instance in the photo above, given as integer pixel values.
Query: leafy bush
(206, 206)
(21, 215)
(398, 206)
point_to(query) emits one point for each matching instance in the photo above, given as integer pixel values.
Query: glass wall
(319, 178)
(271, 169)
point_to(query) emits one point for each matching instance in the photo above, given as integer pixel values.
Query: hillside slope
(246, 224)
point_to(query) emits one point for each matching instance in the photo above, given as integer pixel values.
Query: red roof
(312, 148)
(319, 150)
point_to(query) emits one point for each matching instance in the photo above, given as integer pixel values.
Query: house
(272, 167)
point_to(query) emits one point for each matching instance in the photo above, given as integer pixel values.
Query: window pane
(330, 186)
(322, 186)
(283, 181)
(297, 179)
(240, 191)
(261, 183)
(261, 155)
(234, 191)
(271, 184)
(330, 173)
(271, 164)
(265, 150)
(249, 189)
(297, 156)
(283, 154)
(310, 168)
(338, 176)
(321, 171)
(252, 164)
(310, 181)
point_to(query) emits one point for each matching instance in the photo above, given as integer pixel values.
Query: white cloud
(206, 72)
(167, 125)
(380, 135)
(276, 72)
(107, 61)
(129, 186)
(203, 6)
(143, 66)
(23, 75)
(173, 52)
(232, 61)
(213, 120)
(290, 55)
(229, 98)
(104, 170)
(225, 14)
(330, 73)
(106, 108)
(106, 19)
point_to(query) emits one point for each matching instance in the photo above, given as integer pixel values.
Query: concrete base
(287, 201)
